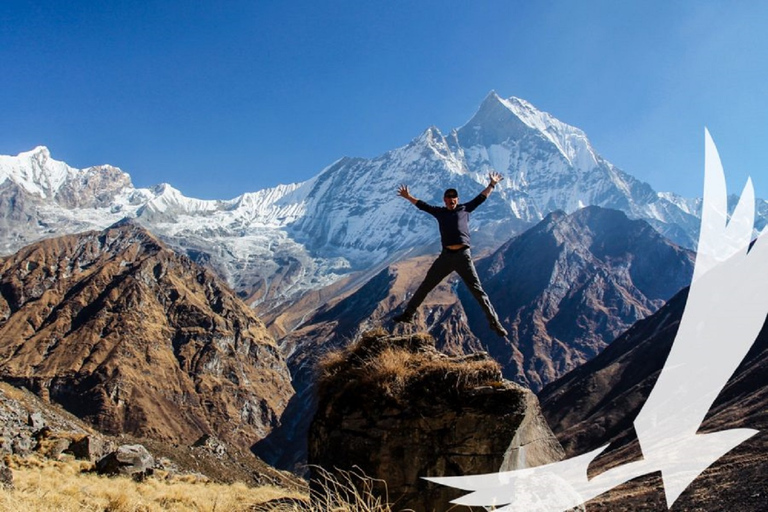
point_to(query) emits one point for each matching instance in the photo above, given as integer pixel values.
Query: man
(453, 221)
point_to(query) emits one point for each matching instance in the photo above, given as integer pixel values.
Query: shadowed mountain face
(568, 286)
(597, 403)
(134, 338)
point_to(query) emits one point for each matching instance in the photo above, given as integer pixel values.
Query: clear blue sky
(224, 97)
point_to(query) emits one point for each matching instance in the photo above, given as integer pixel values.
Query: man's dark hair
(451, 192)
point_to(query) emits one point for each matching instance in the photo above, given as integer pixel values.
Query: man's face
(451, 201)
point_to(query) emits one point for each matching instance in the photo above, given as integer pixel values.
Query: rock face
(27, 425)
(397, 410)
(569, 286)
(134, 338)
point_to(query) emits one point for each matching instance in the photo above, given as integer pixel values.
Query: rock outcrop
(128, 459)
(134, 338)
(342, 318)
(395, 409)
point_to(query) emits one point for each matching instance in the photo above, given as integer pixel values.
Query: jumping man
(453, 221)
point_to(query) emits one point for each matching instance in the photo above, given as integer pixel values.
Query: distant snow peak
(40, 153)
(35, 171)
(522, 119)
(276, 243)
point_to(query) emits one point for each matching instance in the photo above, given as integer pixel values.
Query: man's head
(451, 198)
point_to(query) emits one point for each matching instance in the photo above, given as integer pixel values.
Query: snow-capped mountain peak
(499, 122)
(36, 171)
(276, 243)
(170, 200)
(40, 153)
(38, 174)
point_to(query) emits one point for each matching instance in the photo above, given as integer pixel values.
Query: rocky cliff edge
(396, 409)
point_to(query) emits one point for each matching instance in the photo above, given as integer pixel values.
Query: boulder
(212, 444)
(6, 476)
(22, 444)
(56, 447)
(87, 448)
(36, 420)
(128, 459)
(392, 409)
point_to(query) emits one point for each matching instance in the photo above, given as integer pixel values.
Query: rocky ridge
(35, 428)
(125, 333)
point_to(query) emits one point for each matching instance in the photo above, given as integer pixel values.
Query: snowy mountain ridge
(274, 244)
(36, 171)
(571, 141)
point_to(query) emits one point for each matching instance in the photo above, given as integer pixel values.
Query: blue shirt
(454, 224)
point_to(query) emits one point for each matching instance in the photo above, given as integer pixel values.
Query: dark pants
(449, 261)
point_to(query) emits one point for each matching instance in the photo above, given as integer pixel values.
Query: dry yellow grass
(347, 491)
(42, 485)
(396, 364)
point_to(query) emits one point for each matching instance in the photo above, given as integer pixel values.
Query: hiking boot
(406, 317)
(499, 329)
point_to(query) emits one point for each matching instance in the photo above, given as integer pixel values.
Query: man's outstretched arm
(494, 178)
(403, 192)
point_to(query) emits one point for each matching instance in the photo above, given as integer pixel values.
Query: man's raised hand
(495, 177)
(404, 192)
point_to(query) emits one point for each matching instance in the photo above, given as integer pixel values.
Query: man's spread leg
(440, 268)
(466, 269)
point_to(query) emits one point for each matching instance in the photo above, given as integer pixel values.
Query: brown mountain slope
(597, 403)
(134, 338)
(567, 287)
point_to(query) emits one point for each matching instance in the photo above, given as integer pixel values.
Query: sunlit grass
(44, 485)
(41, 485)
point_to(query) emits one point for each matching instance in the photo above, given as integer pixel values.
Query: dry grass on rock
(397, 366)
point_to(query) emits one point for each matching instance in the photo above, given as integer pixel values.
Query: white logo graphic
(726, 308)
